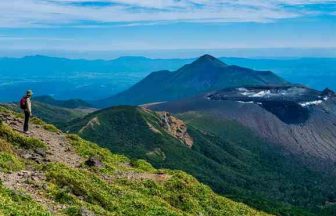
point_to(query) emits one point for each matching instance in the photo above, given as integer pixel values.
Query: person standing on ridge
(26, 106)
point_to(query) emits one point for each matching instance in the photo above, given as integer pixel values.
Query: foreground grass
(17, 204)
(19, 140)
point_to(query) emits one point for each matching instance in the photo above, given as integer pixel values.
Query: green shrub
(142, 165)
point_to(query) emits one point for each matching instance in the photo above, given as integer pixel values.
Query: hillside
(205, 74)
(51, 173)
(71, 104)
(229, 157)
(56, 115)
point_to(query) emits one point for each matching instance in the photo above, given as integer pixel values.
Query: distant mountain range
(97, 79)
(75, 78)
(204, 74)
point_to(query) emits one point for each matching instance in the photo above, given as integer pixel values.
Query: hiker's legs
(26, 121)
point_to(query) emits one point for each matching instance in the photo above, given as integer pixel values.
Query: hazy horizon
(189, 53)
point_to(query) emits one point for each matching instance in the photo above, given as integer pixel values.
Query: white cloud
(28, 13)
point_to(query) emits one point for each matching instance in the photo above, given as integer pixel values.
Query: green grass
(46, 126)
(5, 146)
(8, 134)
(87, 149)
(17, 204)
(180, 195)
(51, 128)
(10, 163)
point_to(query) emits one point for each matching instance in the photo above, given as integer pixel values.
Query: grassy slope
(231, 158)
(121, 187)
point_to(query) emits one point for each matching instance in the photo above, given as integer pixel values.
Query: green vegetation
(17, 204)
(179, 195)
(225, 155)
(58, 116)
(48, 127)
(8, 134)
(5, 146)
(71, 104)
(264, 168)
(10, 163)
(121, 186)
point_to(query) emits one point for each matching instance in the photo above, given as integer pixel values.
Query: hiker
(25, 104)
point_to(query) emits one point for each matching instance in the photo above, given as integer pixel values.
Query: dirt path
(33, 182)
(58, 147)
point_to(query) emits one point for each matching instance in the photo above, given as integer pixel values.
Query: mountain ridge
(204, 74)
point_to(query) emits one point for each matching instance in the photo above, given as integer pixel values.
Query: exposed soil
(58, 147)
(33, 182)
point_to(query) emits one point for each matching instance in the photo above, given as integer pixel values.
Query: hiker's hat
(29, 92)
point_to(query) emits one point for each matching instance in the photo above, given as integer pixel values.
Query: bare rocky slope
(51, 173)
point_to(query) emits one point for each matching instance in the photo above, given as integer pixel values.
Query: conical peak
(208, 59)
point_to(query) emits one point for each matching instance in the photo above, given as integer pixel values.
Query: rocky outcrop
(175, 127)
(94, 161)
(91, 124)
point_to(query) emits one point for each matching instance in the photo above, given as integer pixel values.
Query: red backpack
(23, 103)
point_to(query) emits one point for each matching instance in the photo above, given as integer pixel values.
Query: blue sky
(127, 25)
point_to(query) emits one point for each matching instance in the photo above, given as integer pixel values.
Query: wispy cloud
(36, 13)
